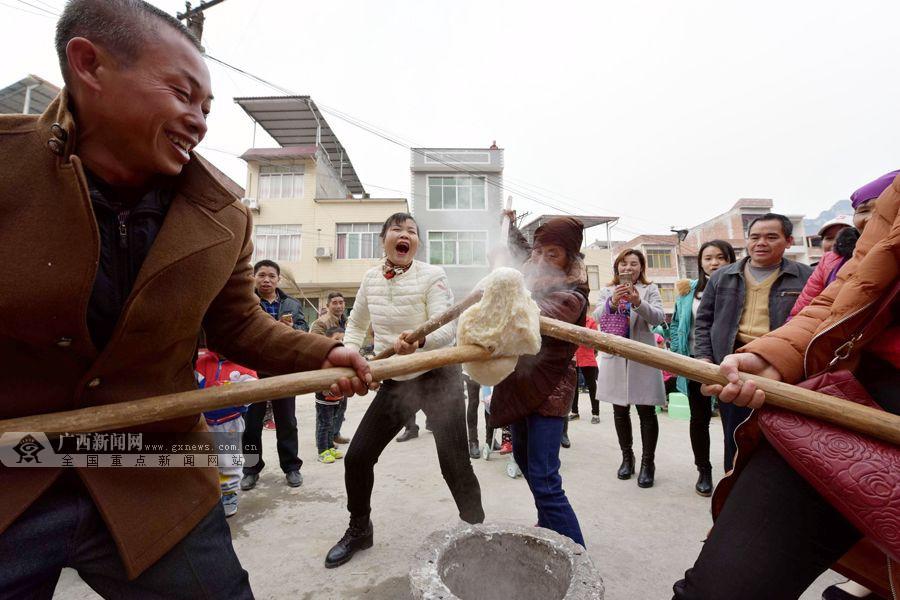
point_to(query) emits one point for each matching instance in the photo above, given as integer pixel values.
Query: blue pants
(536, 442)
(63, 528)
(327, 425)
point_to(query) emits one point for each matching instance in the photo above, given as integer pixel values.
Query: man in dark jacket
(747, 299)
(287, 310)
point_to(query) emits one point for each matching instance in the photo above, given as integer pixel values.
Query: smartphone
(626, 279)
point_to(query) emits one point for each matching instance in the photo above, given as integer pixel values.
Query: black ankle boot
(648, 470)
(704, 485)
(626, 469)
(358, 537)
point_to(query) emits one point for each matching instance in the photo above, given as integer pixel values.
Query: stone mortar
(500, 561)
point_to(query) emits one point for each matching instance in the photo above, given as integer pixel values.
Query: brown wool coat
(806, 344)
(198, 271)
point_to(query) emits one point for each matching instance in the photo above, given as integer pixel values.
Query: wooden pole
(863, 419)
(160, 408)
(435, 323)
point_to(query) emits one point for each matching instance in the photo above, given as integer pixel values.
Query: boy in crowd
(329, 415)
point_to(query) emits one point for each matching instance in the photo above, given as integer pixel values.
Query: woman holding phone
(623, 382)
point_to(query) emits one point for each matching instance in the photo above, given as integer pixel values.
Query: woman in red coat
(586, 363)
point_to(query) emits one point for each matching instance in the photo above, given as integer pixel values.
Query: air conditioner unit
(323, 252)
(251, 203)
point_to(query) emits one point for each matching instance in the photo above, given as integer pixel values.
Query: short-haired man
(746, 300)
(287, 310)
(130, 243)
(334, 317)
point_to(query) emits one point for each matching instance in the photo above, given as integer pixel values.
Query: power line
(26, 11)
(47, 4)
(374, 130)
(39, 8)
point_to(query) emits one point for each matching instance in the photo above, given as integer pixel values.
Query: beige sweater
(754, 321)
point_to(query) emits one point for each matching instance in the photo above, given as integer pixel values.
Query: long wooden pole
(160, 408)
(877, 423)
(436, 322)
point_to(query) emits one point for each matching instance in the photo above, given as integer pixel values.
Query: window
(659, 258)
(276, 242)
(464, 248)
(593, 275)
(667, 292)
(358, 240)
(280, 182)
(459, 192)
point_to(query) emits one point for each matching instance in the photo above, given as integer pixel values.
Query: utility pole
(194, 17)
(682, 235)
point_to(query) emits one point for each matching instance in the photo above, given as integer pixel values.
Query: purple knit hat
(873, 189)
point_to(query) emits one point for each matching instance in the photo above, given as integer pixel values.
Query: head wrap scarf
(873, 189)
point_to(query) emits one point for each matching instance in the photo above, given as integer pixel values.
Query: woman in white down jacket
(396, 297)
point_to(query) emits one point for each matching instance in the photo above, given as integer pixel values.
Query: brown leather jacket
(807, 343)
(197, 271)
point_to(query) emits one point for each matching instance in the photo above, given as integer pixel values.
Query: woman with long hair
(712, 255)
(623, 382)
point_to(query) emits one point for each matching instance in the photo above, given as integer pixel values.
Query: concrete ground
(640, 540)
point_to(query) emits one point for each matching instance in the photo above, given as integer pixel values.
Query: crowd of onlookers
(730, 304)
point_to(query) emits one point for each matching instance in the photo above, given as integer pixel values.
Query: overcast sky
(662, 112)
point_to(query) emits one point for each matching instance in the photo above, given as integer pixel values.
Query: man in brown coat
(130, 243)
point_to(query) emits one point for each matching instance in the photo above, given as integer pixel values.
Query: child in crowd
(227, 424)
(327, 405)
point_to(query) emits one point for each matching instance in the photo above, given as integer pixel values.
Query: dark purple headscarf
(873, 189)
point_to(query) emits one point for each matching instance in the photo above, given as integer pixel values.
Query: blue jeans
(536, 442)
(64, 529)
(339, 416)
(326, 425)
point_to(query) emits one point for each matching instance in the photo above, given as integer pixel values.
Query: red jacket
(816, 282)
(584, 356)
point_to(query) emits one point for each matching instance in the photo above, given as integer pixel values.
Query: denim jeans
(64, 529)
(536, 442)
(326, 425)
(339, 413)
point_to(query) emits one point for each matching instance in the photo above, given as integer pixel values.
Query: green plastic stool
(679, 407)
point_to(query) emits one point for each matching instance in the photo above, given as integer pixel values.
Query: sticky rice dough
(506, 322)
